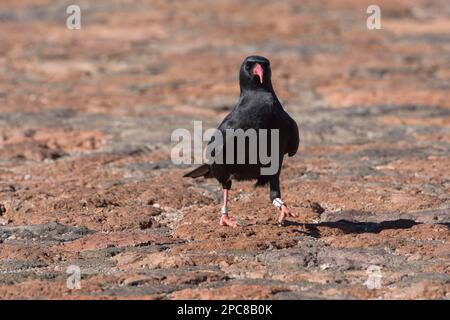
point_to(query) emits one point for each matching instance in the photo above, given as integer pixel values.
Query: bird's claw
(284, 213)
(227, 222)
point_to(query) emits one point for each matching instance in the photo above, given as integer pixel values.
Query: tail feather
(202, 171)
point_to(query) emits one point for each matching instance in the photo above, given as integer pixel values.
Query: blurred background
(173, 61)
(85, 123)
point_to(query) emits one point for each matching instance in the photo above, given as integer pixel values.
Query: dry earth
(85, 171)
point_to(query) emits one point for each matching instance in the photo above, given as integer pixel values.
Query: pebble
(2, 209)
(3, 222)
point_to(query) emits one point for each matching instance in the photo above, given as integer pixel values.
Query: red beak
(258, 71)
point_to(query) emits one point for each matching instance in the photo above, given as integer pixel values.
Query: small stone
(317, 208)
(325, 266)
(146, 224)
(224, 264)
(155, 211)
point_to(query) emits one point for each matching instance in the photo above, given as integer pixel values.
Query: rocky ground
(86, 178)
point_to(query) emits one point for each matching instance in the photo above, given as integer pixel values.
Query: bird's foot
(227, 222)
(284, 213)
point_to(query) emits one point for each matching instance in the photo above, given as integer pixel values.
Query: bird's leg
(284, 210)
(224, 218)
(275, 196)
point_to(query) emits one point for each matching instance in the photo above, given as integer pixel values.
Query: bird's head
(255, 73)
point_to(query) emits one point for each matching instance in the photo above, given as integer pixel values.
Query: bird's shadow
(352, 227)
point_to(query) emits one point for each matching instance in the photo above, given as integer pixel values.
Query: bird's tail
(202, 171)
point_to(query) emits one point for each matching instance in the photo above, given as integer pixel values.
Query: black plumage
(258, 108)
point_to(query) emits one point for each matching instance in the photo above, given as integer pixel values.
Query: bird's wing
(227, 122)
(294, 138)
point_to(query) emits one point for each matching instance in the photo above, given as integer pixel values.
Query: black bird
(258, 108)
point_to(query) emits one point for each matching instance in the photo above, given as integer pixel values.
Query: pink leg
(284, 213)
(225, 219)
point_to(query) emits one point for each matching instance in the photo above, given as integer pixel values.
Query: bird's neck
(249, 92)
(255, 86)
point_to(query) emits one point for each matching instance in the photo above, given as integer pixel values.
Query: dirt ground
(85, 172)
